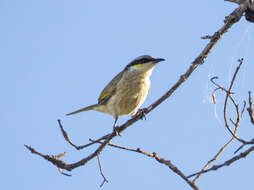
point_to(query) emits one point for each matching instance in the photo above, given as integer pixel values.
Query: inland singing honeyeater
(127, 91)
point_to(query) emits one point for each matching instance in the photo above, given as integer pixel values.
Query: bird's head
(144, 63)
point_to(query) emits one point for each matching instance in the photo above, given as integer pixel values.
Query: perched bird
(127, 91)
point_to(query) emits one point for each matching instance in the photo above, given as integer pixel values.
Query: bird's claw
(116, 130)
(142, 113)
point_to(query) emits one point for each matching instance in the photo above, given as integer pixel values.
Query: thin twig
(175, 170)
(236, 124)
(101, 172)
(237, 150)
(60, 169)
(250, 109)
(67, 138)
(53, 159)
(226, 163)
(226, 103)
(214, 92)
(218, 153)
(212, 160)
(229, 96)
(230, 20)
(157, 158)
(244, 106)
(115, 145)
(206, 37)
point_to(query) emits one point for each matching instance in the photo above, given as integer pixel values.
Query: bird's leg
(141, 113)
(115, 128)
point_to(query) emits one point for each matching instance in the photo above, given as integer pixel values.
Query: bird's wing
(110, 89)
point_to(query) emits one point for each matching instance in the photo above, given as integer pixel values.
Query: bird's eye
(144, 60)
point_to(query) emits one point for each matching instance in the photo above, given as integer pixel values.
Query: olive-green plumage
(127, 91)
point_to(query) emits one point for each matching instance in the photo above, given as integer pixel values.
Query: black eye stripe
(140, 60)
(144, 60)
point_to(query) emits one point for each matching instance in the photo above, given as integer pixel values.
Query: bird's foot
(142, 113)
(116, 130)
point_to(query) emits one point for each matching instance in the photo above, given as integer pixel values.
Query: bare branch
(67, 138)
(158, 159)
(116, 146)
(239, 148)
(244, 106)
(63, 165)
(226, 163)
(211, 161)
(53, 159)
(250, 109)
(101, 172)
(175, 169)
(229, 21)
(206, 37)
(235, 104)
(58, 157)
(235, 123)
(214, 92)
(229, 96)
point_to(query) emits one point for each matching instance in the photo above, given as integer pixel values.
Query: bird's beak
(158, 60)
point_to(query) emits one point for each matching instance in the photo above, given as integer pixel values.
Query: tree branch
(250, 109)
(158, 159)
(101, 172)
(229, 21)
(212, 160)
(67, 138)
(226, 163)
(229, 96)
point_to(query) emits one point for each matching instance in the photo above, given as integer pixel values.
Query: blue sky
(57, 56)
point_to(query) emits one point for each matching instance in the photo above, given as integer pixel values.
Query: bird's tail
(84, 109)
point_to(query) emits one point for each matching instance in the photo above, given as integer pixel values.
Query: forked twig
(67, 138)
(211, 161)
(226, 163)
(101, 172)
(158, 159)
(229, 96)
(236, 124)
(177, 171)
(53, 159)
(251, 115)
(239, 114)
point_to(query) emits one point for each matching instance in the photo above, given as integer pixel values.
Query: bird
(127, 91)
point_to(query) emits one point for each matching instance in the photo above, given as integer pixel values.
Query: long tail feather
(83, 109)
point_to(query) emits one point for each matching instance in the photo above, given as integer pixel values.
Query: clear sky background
(57, 56)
